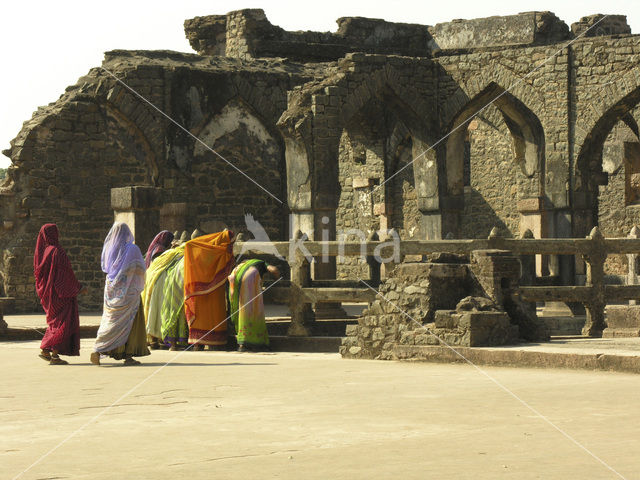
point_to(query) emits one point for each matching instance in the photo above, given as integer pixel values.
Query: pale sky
(47, 45)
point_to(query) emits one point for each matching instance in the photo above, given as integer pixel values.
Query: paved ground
(310, 416)
(38, 320)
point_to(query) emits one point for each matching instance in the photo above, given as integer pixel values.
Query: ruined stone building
(517, 122)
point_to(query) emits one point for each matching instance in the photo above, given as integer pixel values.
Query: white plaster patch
(228, 120)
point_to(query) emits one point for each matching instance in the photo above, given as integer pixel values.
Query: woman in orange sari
(208, 260)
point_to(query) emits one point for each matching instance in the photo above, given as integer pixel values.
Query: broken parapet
(530, 28)
(207, 35)
(611, 25)
(249, 34)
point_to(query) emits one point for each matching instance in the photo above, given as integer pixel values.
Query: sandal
(131, 362)
(46, 356)
(58, 361)
(95, 358)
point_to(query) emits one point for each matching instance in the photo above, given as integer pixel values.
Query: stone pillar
(595, 259)
(496, 271)
(173, 217)
(528, 262)
(634, 263)
(302, 316)
(533, 218)
(138, 207)
(438, 215)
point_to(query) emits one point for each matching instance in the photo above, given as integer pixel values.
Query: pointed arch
(589, 174)
(385, 84)
(525, 128)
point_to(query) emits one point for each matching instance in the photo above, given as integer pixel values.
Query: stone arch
(150, 156)
(261, 104)
(253, 108)
(241, 136)
(589, 174)
(518, 87)
(525, 128)
(527, 149)
(386, 83)
(623, 88)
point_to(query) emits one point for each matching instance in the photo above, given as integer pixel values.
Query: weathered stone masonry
(322, 128)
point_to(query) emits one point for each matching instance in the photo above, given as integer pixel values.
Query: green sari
(175, 330)
(247, 306)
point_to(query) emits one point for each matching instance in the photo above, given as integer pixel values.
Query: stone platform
(241, 416)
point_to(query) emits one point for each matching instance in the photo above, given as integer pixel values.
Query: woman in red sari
(57, 289)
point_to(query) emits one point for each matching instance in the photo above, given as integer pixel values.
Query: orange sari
(208, 260)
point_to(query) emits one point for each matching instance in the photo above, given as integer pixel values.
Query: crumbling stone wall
(449, 300)
(99, 136)
(320, 119)
(249, 34)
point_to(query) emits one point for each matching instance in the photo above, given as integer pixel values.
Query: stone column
(634, 263)
(302, 316)
(138, 207)
(173, 217)
(498, 273)
(595, 259)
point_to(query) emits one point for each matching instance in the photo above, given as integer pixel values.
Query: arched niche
(618, 204)
(596, 167)
(375, 159)
(510, 166)
(238, 168)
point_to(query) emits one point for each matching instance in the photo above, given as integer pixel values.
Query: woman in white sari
(122, 331)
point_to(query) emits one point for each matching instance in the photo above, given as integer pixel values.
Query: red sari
(57, 289)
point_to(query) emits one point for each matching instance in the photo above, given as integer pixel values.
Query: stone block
(362, 182)
(531, 205)
(136, 198)
(381, 209)
(485, 328)
(528, 28)
(622, 321)
(444, 319)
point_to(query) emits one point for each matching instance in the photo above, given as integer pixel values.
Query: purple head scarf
(119, 250)
(160, 243)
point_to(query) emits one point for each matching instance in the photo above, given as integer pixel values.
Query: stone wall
(99, 136)
(619, 199)
(325, 130)
(492, 173)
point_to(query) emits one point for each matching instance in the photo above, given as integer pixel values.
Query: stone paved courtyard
(285, 415)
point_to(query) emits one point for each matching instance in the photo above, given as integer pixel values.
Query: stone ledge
(519, 358)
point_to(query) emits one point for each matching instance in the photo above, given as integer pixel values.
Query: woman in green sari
(246, 304)
(175, 330)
